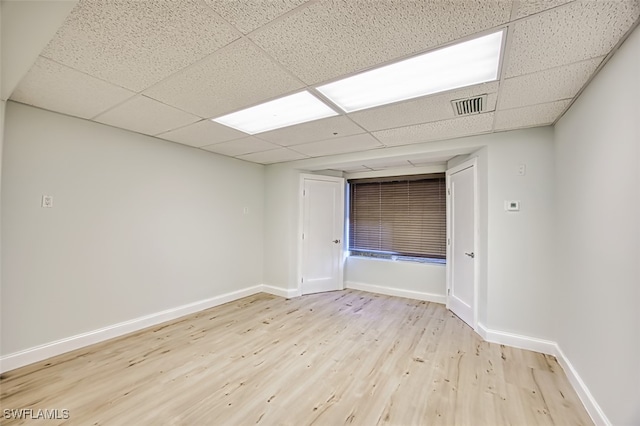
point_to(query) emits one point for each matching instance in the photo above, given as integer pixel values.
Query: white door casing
(322, 220)
(462, 254)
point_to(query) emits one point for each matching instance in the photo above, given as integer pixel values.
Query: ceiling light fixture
(459, 65)
(293, 109)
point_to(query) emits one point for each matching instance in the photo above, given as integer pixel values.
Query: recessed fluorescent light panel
(463, 64)
(282, 112)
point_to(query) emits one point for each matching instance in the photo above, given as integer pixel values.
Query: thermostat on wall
(512, 206)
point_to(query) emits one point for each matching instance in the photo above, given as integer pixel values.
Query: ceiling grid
(165, 68)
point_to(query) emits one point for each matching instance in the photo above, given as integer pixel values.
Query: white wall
(2, 112)
(281, 226)
(27, 27)
(598, 235)
(515, 275)
(139, 225)
(2, 109)
(425, 281)
(520, 266)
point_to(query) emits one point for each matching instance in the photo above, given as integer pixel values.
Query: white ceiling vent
(469, 106)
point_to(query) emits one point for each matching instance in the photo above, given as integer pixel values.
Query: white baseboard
(550, 348)
(390, 291)
(58, 347)
(287, 293)
(48, 350)
(589, 402)
(518, 341)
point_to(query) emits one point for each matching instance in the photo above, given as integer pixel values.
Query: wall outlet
(47, 201)
(522, 169)
(245, 210)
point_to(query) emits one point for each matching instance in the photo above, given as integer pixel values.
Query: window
(402, 216)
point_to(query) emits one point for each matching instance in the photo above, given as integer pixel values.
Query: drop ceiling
(165, 68)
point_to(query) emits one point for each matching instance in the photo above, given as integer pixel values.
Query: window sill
(401, 259)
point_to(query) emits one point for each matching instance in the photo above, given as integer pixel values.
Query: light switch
(47, 201)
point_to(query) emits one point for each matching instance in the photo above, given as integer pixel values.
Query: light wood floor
(345, 357)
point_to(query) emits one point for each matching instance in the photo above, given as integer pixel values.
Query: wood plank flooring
(346, 357)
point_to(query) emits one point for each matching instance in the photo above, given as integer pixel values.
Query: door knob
(336, 241)
(471, 255)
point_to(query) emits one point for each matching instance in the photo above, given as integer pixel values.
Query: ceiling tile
(546, 86)
(352, 143)
(238, 76)
(248, 15)
(422, 110)
(531, 7)
(135, 44)
(202, 133)
(446, 129)
(335, 37)
(242, 146)
(56, 87)
(579, 31)
(313, 131)
(274, 156)
(535, 115)
(147, 116)
(189, 60)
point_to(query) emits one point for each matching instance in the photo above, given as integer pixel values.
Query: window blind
(402, 216)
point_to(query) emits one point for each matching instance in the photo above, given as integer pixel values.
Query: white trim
(589, 402)
(471, 163)
(300, 247)
(390, 291)
(518, 340)
(287, 293)
(58, 347)
(403, 171)
(550, 348)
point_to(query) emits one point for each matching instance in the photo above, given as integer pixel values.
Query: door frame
(471, 163)
(300, 248)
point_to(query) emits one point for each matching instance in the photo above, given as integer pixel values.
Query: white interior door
(461, 257)
(322, 233)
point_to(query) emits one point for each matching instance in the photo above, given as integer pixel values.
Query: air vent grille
(470, 106)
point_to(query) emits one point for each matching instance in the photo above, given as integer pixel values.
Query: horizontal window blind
(405, 216)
